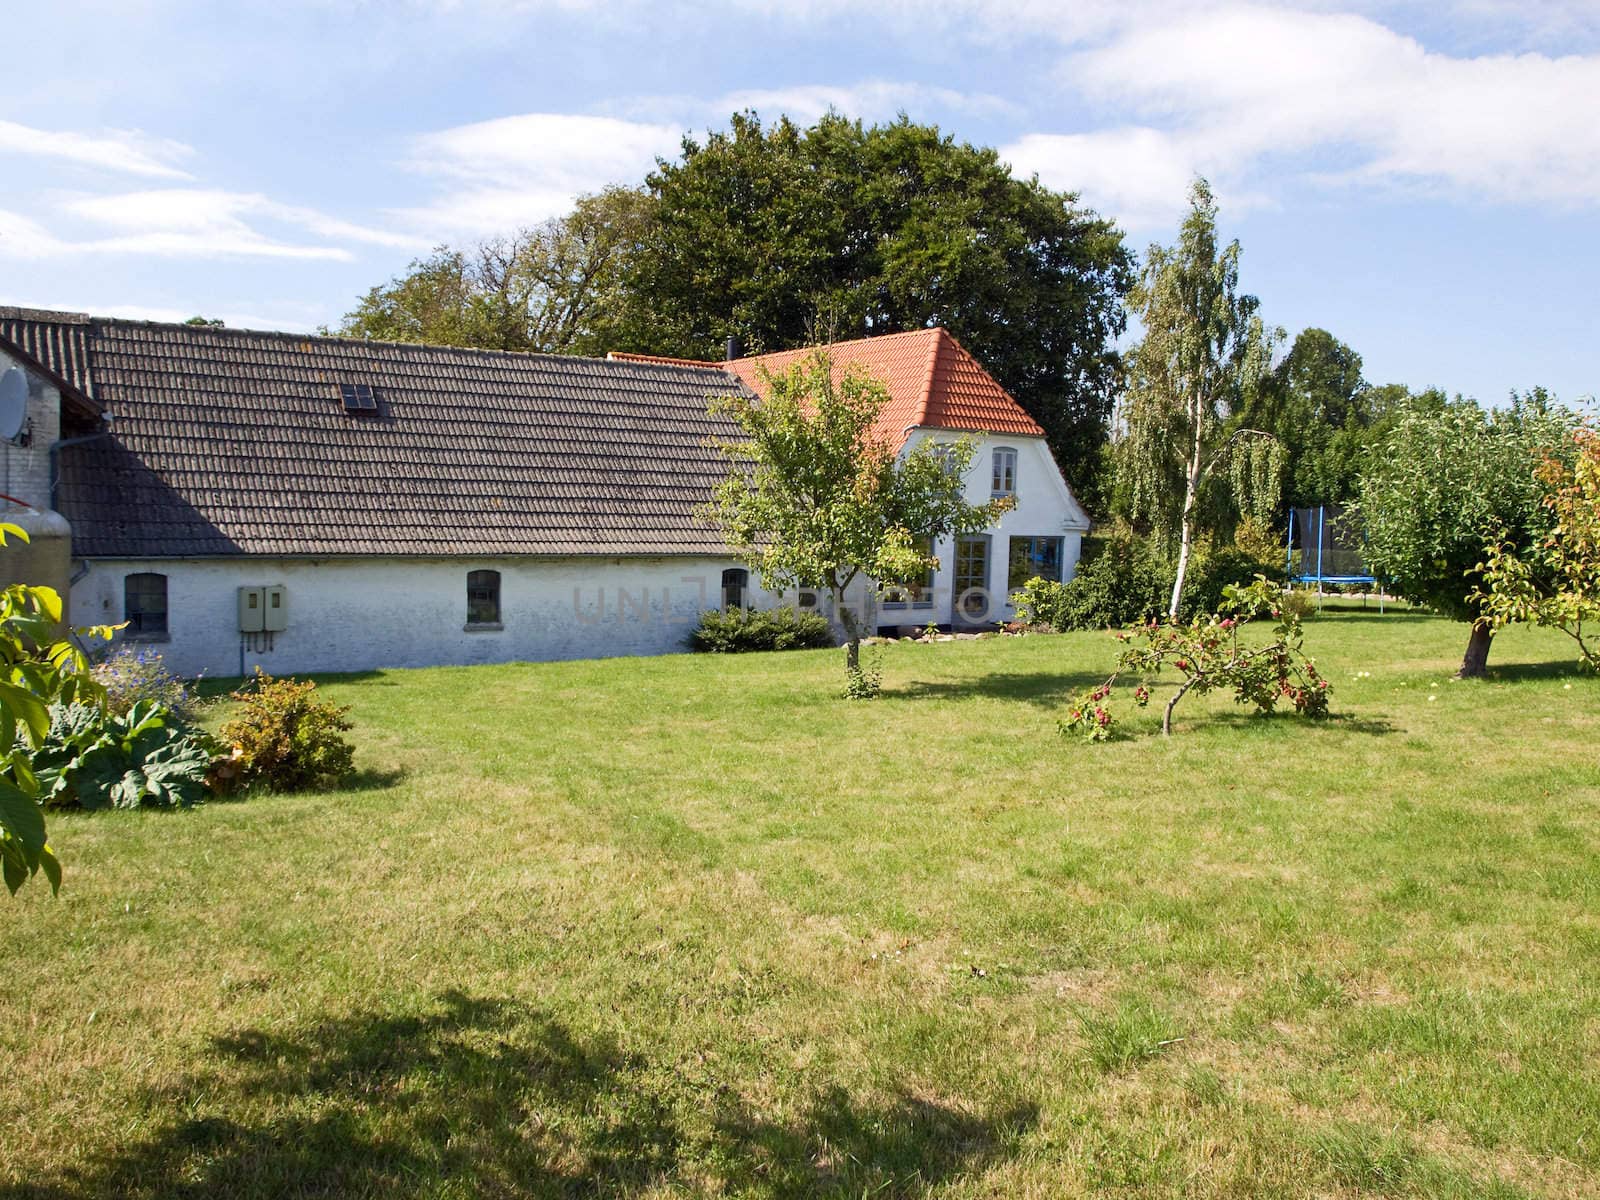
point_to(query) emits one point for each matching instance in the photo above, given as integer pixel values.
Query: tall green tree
(814, 500)
(555, 288)
(1446, 483)
(1204, 354)
(781, 236)
(1314, 403)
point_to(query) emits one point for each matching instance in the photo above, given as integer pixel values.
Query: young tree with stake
(816, 500)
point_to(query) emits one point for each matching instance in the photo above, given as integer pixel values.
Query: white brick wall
(25, 470)
(362, 614)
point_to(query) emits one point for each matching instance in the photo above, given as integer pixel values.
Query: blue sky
(1421, 177)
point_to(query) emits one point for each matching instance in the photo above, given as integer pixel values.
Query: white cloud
(114, 150)
(188, 223)
(1253, 95)
(514, 171)
(1137, 175)
(207, 212)
(510, 172)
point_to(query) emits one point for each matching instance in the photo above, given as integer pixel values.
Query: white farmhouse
(307, 504)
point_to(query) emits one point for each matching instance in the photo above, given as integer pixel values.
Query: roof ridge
(925, 405)
(873, 338)
(665, 360)
(63, 318)
(50, 316)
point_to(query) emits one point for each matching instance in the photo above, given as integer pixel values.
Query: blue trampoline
(1328, 546)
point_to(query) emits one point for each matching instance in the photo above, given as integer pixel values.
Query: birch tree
(1205, 351)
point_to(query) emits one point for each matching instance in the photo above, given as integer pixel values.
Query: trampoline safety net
(1325, 547)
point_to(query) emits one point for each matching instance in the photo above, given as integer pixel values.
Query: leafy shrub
(1299, 605)
(864, 680)
(1209, 655)
(740, 629)
(1215, 572)
(38, 667)
(287, 738)
(130, 675)
(1124, 580)
(95, 758)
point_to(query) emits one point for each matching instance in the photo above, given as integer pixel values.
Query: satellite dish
(13, 402)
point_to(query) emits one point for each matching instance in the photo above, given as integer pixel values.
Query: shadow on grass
(487, 1096)
(220, 688)
(1048, 689)
(370, 779)
(1334, 722)
(1567, 669)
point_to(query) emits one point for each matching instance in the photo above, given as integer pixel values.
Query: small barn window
(144, 605)
(734, 583)
(1005, 471)
(483, 598)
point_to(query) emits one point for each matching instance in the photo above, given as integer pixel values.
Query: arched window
(144, 604)
(483, 597)
(734, 582)
(1005, 471)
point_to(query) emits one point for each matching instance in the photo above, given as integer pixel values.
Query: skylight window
(358, 398)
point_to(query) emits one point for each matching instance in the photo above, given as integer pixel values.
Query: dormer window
(1005, 472)
(358, 399)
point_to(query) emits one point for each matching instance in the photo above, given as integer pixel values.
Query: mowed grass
(695, 926)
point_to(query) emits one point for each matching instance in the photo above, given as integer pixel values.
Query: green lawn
(686, 926)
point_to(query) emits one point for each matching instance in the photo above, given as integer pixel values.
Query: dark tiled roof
(57, 342)
(235, 442)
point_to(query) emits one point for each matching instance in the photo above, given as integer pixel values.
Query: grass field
(685, 926)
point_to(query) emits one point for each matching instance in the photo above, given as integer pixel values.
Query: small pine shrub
(130, 675)
(287, 738)
(743, 629)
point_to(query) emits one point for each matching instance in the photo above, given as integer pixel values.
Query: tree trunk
(1191, 499)
(1476, 664)
(852, 633)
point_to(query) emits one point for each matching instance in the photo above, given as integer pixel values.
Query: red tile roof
(933, 382)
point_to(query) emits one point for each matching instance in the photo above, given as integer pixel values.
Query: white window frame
(1004, 471)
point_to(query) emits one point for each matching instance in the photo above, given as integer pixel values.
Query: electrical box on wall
(252, 609)
(277, 608)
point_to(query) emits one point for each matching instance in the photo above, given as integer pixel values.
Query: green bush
(741, 629)
(1214, 572)
(95, 758)
(1123, 580)
(286, 737)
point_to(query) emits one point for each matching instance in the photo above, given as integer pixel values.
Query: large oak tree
(782, 236)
